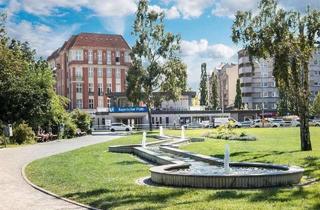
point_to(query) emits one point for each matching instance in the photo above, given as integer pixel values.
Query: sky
(204, 25)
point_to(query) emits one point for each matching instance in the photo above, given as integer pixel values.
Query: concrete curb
(51, 193)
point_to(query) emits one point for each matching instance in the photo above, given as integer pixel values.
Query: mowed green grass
(106, 180)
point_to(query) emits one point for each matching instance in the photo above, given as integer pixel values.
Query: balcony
(245, 69)
(245, 80)
(246, 89)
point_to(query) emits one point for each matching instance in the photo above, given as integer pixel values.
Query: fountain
(175, 167)
(161, 131)
(182, 132)
(144, 139)
(227, 159)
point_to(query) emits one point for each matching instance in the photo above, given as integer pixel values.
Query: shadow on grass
(127, 162)
(256, 156)
(93, 193)
(311, 164)
(152, 199)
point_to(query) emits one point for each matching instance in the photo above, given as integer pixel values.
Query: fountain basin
(265, 175)
(177, 169)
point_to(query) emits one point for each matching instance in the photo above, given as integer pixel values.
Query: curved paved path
(15, 193)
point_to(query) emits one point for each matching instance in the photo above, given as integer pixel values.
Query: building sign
(128, 109)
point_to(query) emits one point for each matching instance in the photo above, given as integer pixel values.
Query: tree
(214, 91)
(155, 64)
(203, 85)
(238, 98)
(290, 38)
(316, 105)
(26, 85)
(81, 119)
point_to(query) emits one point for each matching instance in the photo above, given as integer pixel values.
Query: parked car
(295, 123)
(247, 123)
(120, 127)
(193, 125)
(280, 121)
(224, 121)
(267, 124)
(315, 123)
(205, 124)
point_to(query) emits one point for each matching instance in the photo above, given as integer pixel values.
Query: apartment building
(227, 75)
(89, 68)
(258, 87)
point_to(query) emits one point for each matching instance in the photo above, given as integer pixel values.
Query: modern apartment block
(258, 88)
(89, 67)
(227, 75)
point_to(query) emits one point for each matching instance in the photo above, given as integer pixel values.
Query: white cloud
(41, 37)
(203, 49)
(171, 13)
(196, 52)
(228, 8)
(194, 8)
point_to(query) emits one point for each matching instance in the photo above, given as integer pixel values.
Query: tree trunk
(304, 111)
(305, 132)
(149, 118)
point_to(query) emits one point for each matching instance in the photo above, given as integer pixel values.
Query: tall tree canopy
(26, 85)
(214, 91)
(203, 85)
(156, 66)
(315, 108)
(238, 98)
(290, 38)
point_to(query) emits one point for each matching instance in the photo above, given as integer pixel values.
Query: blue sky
(204, 25)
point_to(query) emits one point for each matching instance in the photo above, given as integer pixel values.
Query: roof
(92, 40)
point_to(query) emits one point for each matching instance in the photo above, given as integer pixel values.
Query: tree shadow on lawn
(127, 162)
(255, 157)
(311, 164)
(114, 200)
(266, 195)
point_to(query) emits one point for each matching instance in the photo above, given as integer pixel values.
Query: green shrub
(22, 133)
(81, 119)
(70, 129)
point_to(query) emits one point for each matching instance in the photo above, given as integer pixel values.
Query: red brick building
(89, 67)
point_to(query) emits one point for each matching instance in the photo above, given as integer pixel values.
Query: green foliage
(214, 91)
(290, 38)
(155, 64)
(22, 133)
(238, 99)
(203, 85)
(26, 85)
(81, 119)
(316, 106)
(70, 129)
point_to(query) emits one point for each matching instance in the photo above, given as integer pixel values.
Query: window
(127, 57)
(79, 73)
(79, 55)
(265, 94)
(90, 72)
(108, 102)
(90, 57)
(100, 72)
(118, 57)
(100, 91)
(167, 120)
(265, 84)
(90, 103)
(109, 73)
(118, 74)
(118, 87)
(108, 57)
(91, 89)
(99, 56)
(79, 103)
(109, 88)
(79, 87)
(100, 102)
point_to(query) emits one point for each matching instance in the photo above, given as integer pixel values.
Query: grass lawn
(106, 180)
